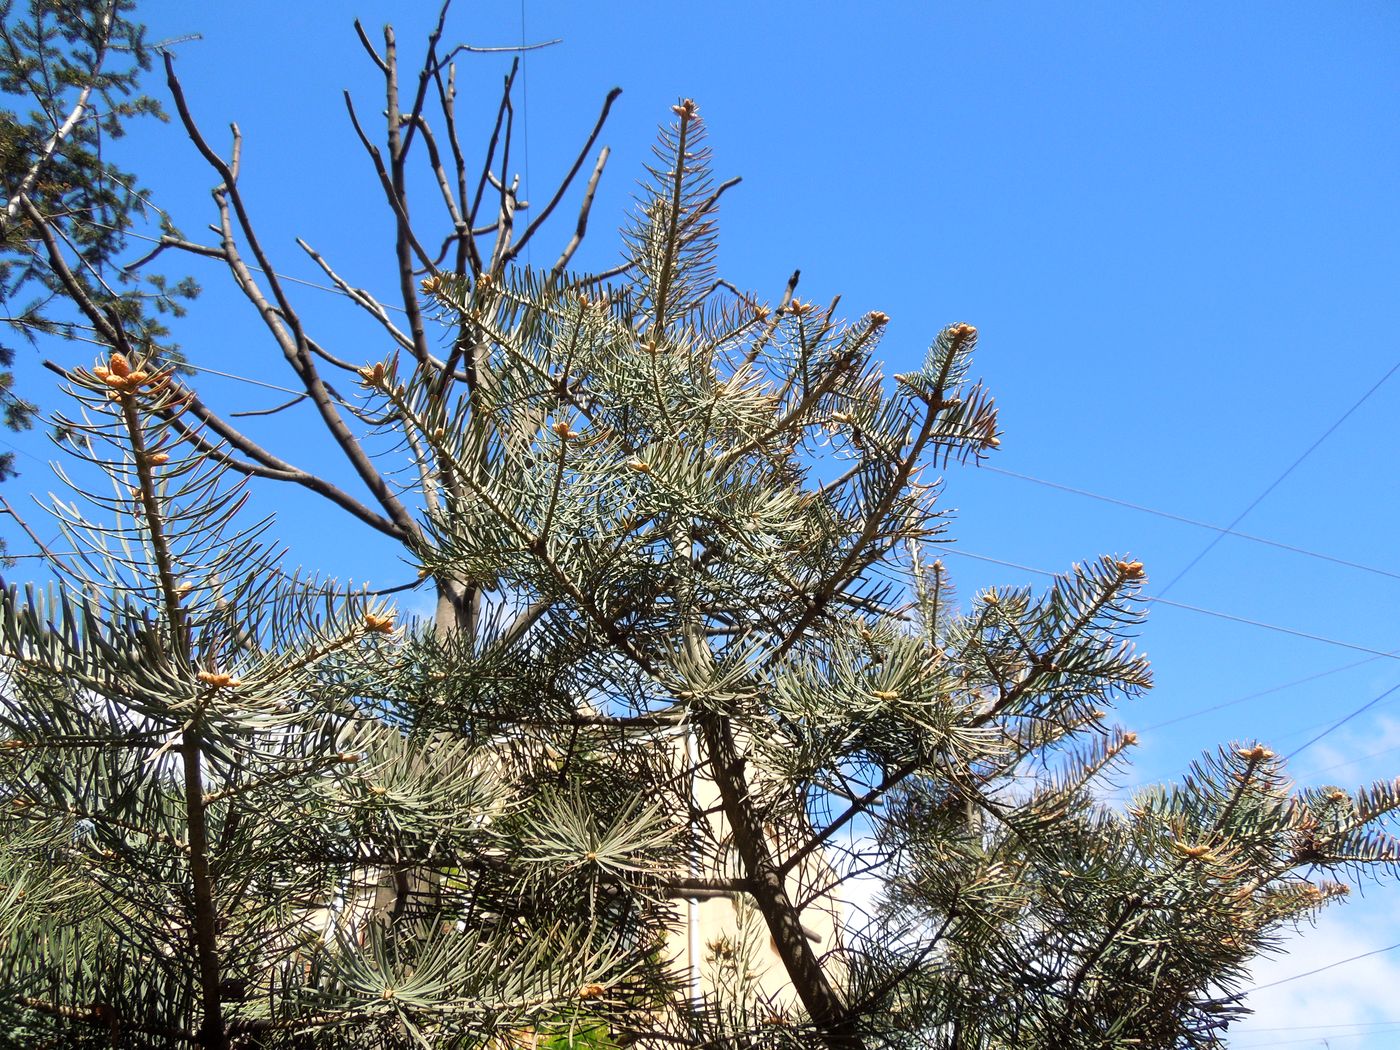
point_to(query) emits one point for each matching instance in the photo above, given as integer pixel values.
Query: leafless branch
(284, 324)
(569, 178)
(175, 242)
(581, 227)
(387, 183)
(369, 47)
(269, 411)
(505, 49)
(359, 296)
(491, 146)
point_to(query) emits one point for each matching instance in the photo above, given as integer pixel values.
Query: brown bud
(1131, 570)
(158, 459)
(1256, 754)
(372, 375)
(685, 109)
(639, 466)
(218, 680)
(119, 365)
(878, 318)
(592, 990)
(379, 624)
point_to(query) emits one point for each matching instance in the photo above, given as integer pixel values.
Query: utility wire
(1159, 600)
(525, 120)
(1313, 773)
(1343, 721)
(1169, 516)
(1262, 692)
(1329, 966)
(1279, 480)
(1323, 1040)
(1319, 1027)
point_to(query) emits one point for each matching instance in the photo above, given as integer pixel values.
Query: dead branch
(581, 227)
(283, 322)
(360, 297)
(569, 178)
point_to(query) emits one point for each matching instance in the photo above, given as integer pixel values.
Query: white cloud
(1360, 992)
(1352, 755)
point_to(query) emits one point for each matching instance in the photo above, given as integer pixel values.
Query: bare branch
(359, 296)
(269, 411)
(491, 146)
(284, 323)
(369, 48)
(175, 242)
(581, 227)
(440, 173)
(569, 178)
(378, 158)
(506, 49)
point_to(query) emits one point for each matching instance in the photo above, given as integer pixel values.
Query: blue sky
(1174, 225)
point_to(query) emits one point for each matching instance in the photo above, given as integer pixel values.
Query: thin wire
(1317, 1027)
(251, 266)
(1263, 692)
(1169, 516)
(1329, 966)
(1325, 1040)
(525, 120)
(1278, 480)
(1343, 721)
(1159, 600)
(1311, 773)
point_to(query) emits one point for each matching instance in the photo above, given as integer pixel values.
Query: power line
(1262, 692)
(267, 273)
(1169, 516)
(1218, 614)
(1329, 966)
(1320, 1027)
(1279, 480)
(1324, 1040)
(1344, 720)
(525, 119)
(1311, 773)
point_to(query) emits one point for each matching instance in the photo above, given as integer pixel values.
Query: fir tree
(692, 646)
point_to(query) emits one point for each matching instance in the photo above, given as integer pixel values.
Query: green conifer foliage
(73, 68)
(711, 660)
